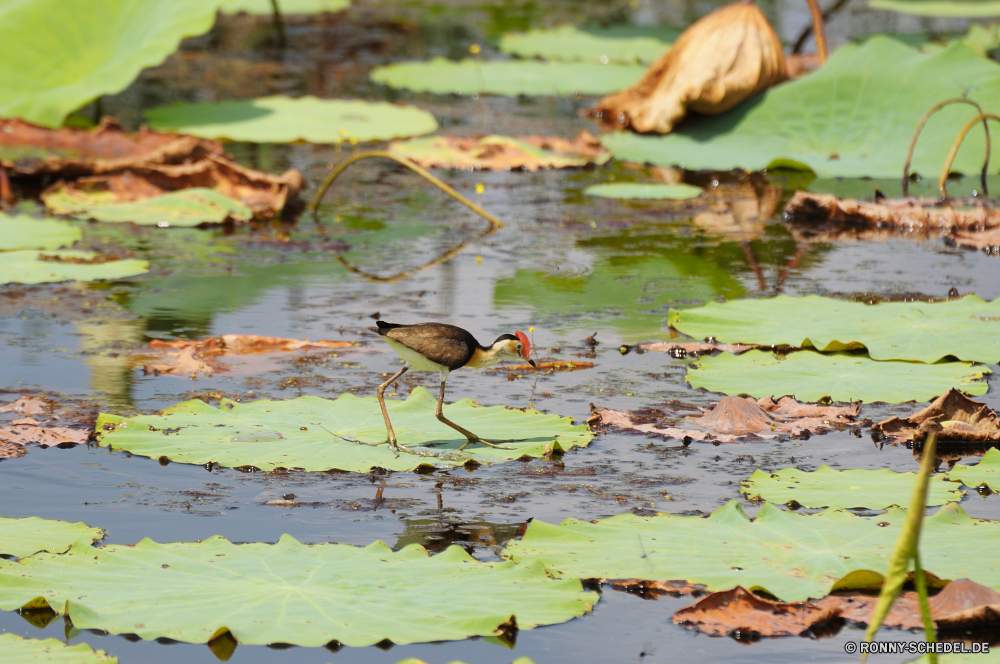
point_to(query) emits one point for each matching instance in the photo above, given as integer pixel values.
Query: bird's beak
(531, 362)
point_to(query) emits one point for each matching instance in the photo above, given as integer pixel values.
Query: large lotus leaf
(872, 489)
(23, 537)
(643, 190)
(289, 592)
(313, 433)
(30, 266)
(953, 8)
(967, 328)
(854, 117)
(810, 376)
(186, 207)
(17, 650)
(986, 472)
(569, 43)
(56, 56)
(508, 77)
(281, 119)
(284, 6)
(791, 555)
(24, 232)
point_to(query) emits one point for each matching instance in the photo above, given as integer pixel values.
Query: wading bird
(444, 348)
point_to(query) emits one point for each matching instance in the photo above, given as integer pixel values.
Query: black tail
(383, 327)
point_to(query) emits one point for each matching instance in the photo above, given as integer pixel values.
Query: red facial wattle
(525, 344)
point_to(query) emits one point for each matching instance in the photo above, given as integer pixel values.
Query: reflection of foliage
(437, 535)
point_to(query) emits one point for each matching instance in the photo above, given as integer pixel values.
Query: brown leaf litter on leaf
(734, 418)
(958, 417)
(680, 349)
(187, 357)
(503, 153)
(27, 149)
(721, 60)
(561, 365)
(963, 603)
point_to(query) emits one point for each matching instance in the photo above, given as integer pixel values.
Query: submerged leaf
(49, 68)
(625, 44)
(966, 328)
(346, 433)
(985, 473)
(810, 376)
(642, 190)
(187, 207)
(872, 489)
(290, 592)
(33, 267)
(854, 117)
(25, 537)
(958, 417)
(506, 77)
(280, 119)
(24, 232)
(792, 556)
(502, 153)
(22, 650)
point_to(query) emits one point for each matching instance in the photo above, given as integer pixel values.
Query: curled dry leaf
(28, 432)
(503, 153)
(734, 418)
(963, 603)
(28, 149)
(187, 357)
(909, 213)
(722, 59)
(958, 417)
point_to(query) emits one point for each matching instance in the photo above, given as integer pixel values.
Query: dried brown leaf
(501, 153)
(29, 434)
(695, 347)
(189, 357)
(30, 405)
(987, 240)
(958, 417)
(562, 365)
(723, 59)
(11, 450)
(906, 213)
(724, 612)
(652, 589)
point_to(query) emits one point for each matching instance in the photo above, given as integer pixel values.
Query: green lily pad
(312, 433)
(13, 649)
(289, 592)
(569, 43)
(854, 117)
(49, 68)
(872, 489)
(508, 77)
(967, 328)
(791, 555)
(952, 8)
(810, 376)
(23, 537)
(263, 7)
(281, 119)
(24, 232)
(29, 266)
(984, 473)
(186, 207)
(678, 192)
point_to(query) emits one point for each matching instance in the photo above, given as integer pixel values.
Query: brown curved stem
(801, 41)
(422, 172)
(958, 143)
(920, 127)
(817, 16)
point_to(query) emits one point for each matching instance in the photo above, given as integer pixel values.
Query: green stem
(925, 607)
(279, 24)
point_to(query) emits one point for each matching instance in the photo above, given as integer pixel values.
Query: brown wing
(444, 344)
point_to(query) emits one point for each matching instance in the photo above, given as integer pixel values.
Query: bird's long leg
(385, 413)
(473, 438)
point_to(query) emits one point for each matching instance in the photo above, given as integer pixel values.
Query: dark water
(565, 264)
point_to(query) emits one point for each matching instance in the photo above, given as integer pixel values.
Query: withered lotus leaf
(956, 416)
(499, 153)
(902, 212)
(189, 357)
(721, 60)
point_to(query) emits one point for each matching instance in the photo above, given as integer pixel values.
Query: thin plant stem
(920, 127)
(817, 16)
(925, 607)
(958, 143)
(800, 43)
(279, 24)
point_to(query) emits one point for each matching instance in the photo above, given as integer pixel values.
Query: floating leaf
(289, 592)
(854, 117)
(49, 68)
(967, 328)
(985, 473)
(507, 77)
(676, 192)
(263, 7)
(569, 43)
(905, 213)
(791, 555)
(25, 651)
(24, 537)
(499, 153)
(958, 417)
(189, 357)
(187, 207)
(872, 489)
(24, 232)
(318, 434)
(810, 376)
(280, 119)
(33, 267)
(952, 8)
